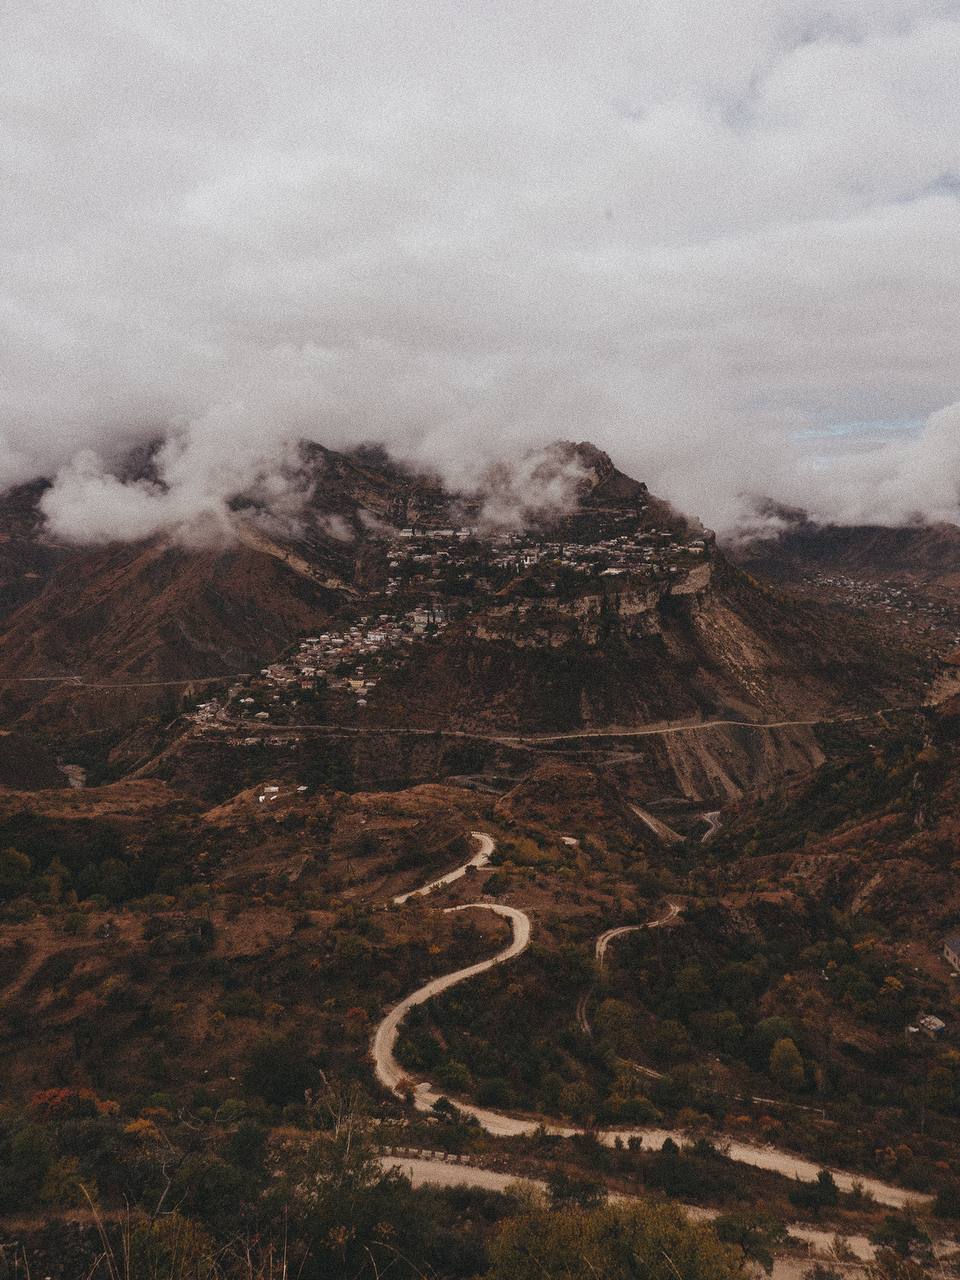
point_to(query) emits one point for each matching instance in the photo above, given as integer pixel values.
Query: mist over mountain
(693, 237)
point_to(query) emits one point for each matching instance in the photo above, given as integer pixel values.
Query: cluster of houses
(458, 565)
(421, 558)
(894, 599)
(349, 660)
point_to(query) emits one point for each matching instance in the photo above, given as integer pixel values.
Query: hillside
(160, 611)
(147, 619)
(608, 610)
(712, 644)
(157, 612)
(26, 558)
(201, 945)
(927, 553)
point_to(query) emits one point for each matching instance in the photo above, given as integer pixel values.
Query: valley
(586, 853)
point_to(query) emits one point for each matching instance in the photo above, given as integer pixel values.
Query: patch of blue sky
(878, 428)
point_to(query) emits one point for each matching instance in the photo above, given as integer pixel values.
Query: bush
(655, 1241)
(822, 1194)
(278, 1071)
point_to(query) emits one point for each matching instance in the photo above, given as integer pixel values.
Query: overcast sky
(698, 234)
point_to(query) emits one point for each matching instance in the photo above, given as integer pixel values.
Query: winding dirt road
(600, 950)
(388, 1069)
(500, 1124)
(431, 1170)
(479, 859)
(713, 825)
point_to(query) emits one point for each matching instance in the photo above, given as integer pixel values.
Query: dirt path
(479, 859)
(78, 682)
(659, 729)
(500, 1124)
(695, 726)
(583, 1021)
(600, 950)
(713, 825)
(388, 1069)
(433, 1169)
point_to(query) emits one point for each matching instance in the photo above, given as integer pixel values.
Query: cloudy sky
(719, 240)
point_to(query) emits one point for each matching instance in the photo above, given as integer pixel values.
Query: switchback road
(501, 1124)
(478, 860)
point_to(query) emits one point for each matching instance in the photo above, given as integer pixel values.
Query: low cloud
(532, 487)
(196, 474)
(692, 234)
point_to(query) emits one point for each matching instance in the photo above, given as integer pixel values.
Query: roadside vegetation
(174, 991)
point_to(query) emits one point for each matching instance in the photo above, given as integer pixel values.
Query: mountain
(157, 610)
(621, 651)
(26, 558)
(607, 608)
(558, 706)
(925, 552)
(150, 616)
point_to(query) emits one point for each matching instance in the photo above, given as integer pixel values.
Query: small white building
(931, 1025)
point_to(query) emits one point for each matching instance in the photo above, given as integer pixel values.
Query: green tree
(768, 1031)
(690, 989)
(14, 872)
(901, 1233)
(756, 1234)
(786, 1064)
(818, 1195)
(25, 1159)
(361, 1221)
(566, 1192)
(170, 1246)
(278, 1070)
(729, 1031)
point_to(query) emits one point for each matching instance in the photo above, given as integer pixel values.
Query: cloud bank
(690, 233)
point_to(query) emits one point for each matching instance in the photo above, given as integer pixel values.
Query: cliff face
(709, 644)
(635, 607)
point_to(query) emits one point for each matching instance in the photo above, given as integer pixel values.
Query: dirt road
(479, 859)
(600, 950)
(713, 825)
(583, 1020)
(390, 1074)
(696, 726)
(431, 1169)
(388, 1069)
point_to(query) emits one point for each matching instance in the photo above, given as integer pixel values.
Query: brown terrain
(641, 735)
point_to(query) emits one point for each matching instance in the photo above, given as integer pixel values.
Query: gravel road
(392, 1075)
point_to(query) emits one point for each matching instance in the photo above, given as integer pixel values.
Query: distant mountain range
(928, 552)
